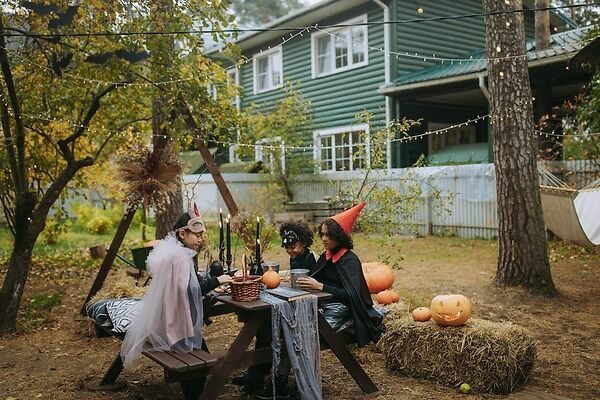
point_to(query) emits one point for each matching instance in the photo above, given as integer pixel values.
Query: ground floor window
(342, 149)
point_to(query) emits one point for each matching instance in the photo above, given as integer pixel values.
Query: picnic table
(192, 369)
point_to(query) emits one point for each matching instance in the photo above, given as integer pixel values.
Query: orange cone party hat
(347, 218)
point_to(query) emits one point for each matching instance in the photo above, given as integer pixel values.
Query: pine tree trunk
(523, 257)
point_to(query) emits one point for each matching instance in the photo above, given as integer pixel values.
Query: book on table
(288, 293)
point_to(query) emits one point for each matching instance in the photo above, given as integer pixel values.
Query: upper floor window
(233, 76)
(342, 149)
(268, 70)
(339, 50)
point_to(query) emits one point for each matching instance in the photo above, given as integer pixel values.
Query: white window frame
(235, 73)
(321, 133)
(211, 89)
(316, 35)
(255, 60)
(259, 154)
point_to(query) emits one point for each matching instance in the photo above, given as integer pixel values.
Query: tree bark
(523, 257)
(542, 25)
(30, 220)
(165, 217)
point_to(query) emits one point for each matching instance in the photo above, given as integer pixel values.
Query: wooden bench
(189, 369)
(183, 366)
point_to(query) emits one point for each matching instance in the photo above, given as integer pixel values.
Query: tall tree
(582, 13)
(523, 256)
(68, 100)
(163, 48)
(260, 12)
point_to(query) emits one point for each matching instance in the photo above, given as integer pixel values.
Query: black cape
(368, 323)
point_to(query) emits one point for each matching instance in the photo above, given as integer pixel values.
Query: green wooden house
(394, 70)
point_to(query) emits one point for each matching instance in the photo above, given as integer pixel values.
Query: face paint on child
(295, 250)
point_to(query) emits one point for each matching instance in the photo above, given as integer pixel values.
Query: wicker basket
(248, 290)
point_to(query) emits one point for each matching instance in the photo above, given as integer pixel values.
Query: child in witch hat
(339, 271)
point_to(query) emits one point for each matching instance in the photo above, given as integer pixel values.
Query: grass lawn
(53, 353)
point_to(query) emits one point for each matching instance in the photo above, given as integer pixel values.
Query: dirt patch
(51, 360)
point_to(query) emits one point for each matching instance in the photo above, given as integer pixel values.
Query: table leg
(222, 371)
(337, 346)
(113, 372)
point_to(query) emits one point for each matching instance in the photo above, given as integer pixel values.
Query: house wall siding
(445, 38)
(335, 98)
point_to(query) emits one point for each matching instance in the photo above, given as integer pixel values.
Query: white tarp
(587, 206)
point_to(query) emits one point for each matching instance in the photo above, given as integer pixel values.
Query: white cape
(169, 316)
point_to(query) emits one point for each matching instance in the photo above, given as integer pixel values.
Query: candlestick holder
(255, 269)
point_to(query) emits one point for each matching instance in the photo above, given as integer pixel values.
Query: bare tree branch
(94, 106)
(8, 214)
(12, 94)
(51, 195)
(8, 140)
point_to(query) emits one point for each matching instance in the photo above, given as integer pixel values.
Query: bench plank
(165, 360)
(181, 362)
(189, 359)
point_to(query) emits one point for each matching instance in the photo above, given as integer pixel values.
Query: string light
(292, 28)
(424, 57)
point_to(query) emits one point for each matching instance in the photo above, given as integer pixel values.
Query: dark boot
(282, 390)
(251, 380)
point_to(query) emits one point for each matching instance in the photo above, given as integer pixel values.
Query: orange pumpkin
(271, 278)
(379, 276)
(450, 309)
(421, 314)
(387, 297)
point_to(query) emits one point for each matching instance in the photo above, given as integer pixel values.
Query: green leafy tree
(281, 131)
(67, 101)
(393, 197)
(584, 14)
(260, 12)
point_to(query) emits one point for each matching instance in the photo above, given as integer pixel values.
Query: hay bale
(120, 286)
(490, 357)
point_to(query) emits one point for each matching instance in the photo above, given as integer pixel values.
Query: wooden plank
(190, 359)
(209, 359)
(110, 256)
(166, 360)
(337, 346)
(223, 370)
(110, 377)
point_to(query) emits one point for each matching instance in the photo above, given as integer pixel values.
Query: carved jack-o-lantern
(450, 310)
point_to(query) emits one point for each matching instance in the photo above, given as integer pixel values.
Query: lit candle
(228, 238)
(221, 238)
(244, 265)
(258, 243)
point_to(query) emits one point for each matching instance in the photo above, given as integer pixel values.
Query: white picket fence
(469, 189)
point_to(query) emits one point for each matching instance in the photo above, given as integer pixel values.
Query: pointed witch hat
(347, 218)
